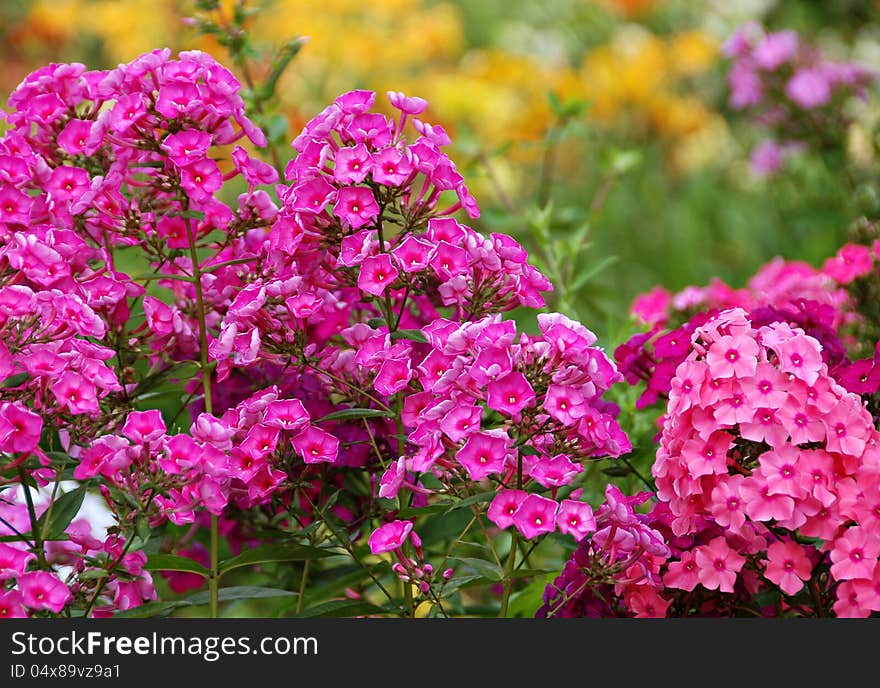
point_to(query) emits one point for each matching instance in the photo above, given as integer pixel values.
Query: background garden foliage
(439, 308)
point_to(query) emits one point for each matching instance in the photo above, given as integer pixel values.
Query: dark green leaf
(412, 335)
(151, 609)
(240, 592)
(353, 414)
(174, 562)
(341, 608)
(616, 471)
(486, 569)
(480, 498)
(274, 552)
(15, 380)
(61, 513)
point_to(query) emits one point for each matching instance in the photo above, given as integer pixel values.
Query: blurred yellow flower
(637, 82)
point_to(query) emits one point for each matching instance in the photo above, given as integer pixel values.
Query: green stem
(508, 576)
(302, 586)
(214, 580)
(32, 513)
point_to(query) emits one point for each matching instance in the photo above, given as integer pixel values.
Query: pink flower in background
(536, 516)
(42, 590)
(788, 566)
(390, 536)
(718, 565)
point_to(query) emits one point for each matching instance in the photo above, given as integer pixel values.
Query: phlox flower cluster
(99, 573)
(524, 413)
(767, 494)
(791, 90)
(615, 571)
(93, 164)
(781, 291)
(347, 322)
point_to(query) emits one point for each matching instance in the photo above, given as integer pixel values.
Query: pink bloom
(376, 273)
(352, 165)
(800, 355)
(775, 49)
(733, 357)
(182, 452)
(413, 253)
(390, 536)
(461, 421)
(312, 195)
(781, 470)
(809, 88)
(286, 414)
(449, 261)
(535, 516)
(186, 146)
(255, 172)
(718, 565)
(511, 394)
(483, 454)
(392, 479)
(761, 505)
(74, 138)
(646, 603)
(575, 518)
(10, 605)
(355, 206)
(13, 561)
(555, 472)
(20, 428)
(393, 376)
(201, 179)
(411, 105)
(788, 566)
(683, 574)
(316, 445)
(727, 506)
(176, 98)
(391, 167)
(66, 183)
(565, 403)
(504, 506)
(849, 603)
(42, 590)
(707, 457)
(75, 393)
(144, 426)
(854, 554)
(852, 261)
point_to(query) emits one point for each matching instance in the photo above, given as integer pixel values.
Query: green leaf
(61, 513)
(587, 275)
(412, 335)
(353, 414)
(525, 602)
(616, 471)
(486, 569)
(480, 498)
(174, 562)
(151, 609)
(274, 552)
(340, 608)
(376, 322)
(240, 592)
(465, 581)
(528, 450)
(15, 380)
